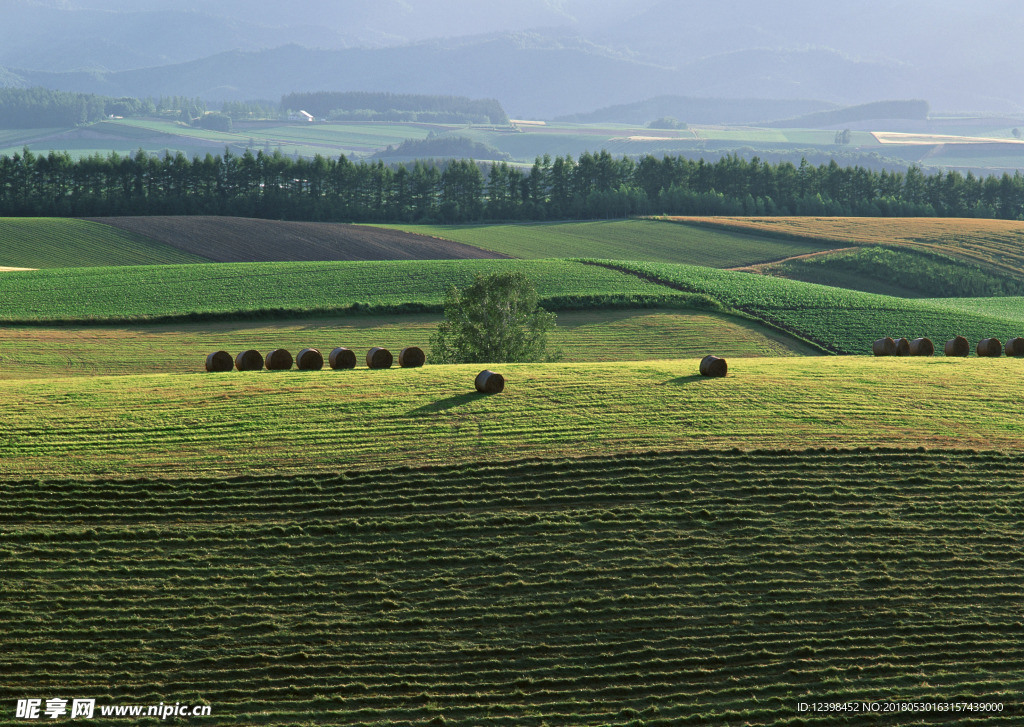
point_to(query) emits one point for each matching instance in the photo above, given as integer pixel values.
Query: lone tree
(497, 319)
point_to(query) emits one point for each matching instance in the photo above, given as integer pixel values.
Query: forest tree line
(592, 186)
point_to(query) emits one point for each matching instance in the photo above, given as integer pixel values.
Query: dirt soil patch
(240, 239)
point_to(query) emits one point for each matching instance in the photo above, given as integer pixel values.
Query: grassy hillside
(235, 423)
(606, 335)
(261, 289)
(63, 243)
(240, 239)
(843, 321)
(997, 245)
(650, 240)
(704, 588)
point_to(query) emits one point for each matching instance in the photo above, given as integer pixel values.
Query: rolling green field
(236, 423)
(650, 240)
(27, 242)
(613, 540)
(29, 352)
(842, 321)
(146, 292)
(663, 589)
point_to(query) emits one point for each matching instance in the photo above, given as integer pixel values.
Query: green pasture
(841, 320)
(29, 352)
(260, 289)
(234, 423)
(1010, 308)
(650, 240)
(657, 589)
(51, 242)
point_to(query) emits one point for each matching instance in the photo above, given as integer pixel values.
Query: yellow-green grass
(648, 240)
(47, 242)
(995, 244)
(608, 335)
(706, 588)
(297, 421)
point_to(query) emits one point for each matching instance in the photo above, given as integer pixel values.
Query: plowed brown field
(239, 239)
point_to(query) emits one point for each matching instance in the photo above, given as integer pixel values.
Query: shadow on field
(450, 403)
(683, 380)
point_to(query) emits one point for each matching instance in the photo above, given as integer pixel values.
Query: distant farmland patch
(239, 239)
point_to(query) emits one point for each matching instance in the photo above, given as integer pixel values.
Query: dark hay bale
(958, 346)
(884, 347)
(990, 347)
(279, 360)
(342, 358)
(1015, 347)
(219, 361)
(310, 359)
(713, 366)
(411, 357)
(379, 358)
(488, 382)
(902, 347)
(249, 361)
(922, 347)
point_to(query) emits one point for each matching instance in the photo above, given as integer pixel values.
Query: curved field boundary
(661, 589)
(993, 244)
(45, 242)
(239, 239)
(636, 239)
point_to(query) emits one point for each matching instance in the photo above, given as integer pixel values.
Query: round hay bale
(990, 347)
(884, 347)
(922, 347)
(219, 361)
(279, 360)
(342, 358)
(713, 366)
(310, 359)
(1015, 347)
(488, 382)
(250, 360)
(902, 347)
(411, 357)
(379, 358)
(958, 346)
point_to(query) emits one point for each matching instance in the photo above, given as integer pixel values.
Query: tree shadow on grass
(444, 404)
(683, 380)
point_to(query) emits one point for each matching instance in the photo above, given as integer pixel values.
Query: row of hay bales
(959, 346)
(310, 359)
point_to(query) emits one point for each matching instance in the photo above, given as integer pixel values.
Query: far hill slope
(238, 239)
(44, 242)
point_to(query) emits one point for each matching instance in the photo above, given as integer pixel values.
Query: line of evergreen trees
(592, 186)
(31, 108)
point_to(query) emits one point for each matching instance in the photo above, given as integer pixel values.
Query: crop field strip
(29, 352)
(176, 425)
(252, 290)
(996, 244)
(27, 242)
(658, 589)
(649, 240)
(839, 320)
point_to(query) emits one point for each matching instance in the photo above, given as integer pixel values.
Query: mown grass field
(996, 244)
(28, 352)
(650, 240)
(236, 423)
(673, 588)
(260, 289)
(27, 242)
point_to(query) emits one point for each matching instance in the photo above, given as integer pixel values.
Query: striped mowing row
(310, 359)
